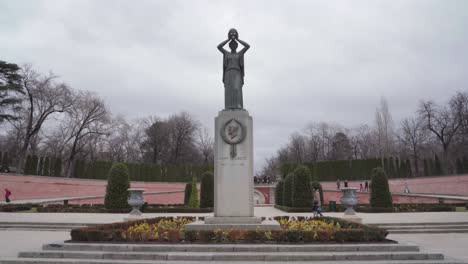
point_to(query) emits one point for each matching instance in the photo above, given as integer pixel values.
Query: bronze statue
(233, 70)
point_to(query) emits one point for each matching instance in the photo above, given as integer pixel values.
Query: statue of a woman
(233, 70)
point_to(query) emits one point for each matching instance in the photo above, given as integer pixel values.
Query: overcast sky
(309, 61)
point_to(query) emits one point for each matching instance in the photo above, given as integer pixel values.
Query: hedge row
(43, 166)
(140, 171)
(101, 209)
(5, 161)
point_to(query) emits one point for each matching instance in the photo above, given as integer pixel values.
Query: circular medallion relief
(233, 132)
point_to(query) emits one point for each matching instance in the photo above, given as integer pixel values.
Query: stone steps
(88, 261)
(84, 253)
(430, 228)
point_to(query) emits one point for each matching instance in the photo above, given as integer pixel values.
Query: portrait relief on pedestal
(233, 133)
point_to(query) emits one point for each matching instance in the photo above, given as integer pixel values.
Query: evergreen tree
(301, 191)
(187, 194)
(10, 89)
(58, 167)
(193, 202)
(380, 196)
(46, 169)
(279, 193)
(118, 182)
(207, 190)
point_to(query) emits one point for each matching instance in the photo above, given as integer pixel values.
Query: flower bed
(168, 229)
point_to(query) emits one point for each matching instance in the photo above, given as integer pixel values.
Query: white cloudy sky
(309, 61)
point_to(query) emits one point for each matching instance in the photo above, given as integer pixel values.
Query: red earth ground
(36, 187)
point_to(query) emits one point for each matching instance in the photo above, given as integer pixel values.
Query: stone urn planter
(136, 200)
(349, 200)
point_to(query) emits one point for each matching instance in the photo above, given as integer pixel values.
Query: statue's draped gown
(233, 79)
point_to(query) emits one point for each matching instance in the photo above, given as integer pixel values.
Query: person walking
(346, 183)
(7, 195)
(366, 186)
(317, 205)
(338, 183)
(360, 187)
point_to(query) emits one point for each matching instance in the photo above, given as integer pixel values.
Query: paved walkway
(374, 218)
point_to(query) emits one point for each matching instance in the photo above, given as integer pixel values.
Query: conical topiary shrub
(301, 190)
(380, 196)
(207, 190)
(118, 182)
(193, 202)
(187, 193)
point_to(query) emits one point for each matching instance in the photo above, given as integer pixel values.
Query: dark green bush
(187, 193)
(279, 193)
(193, 201)
(301, 189)
(117, 184)
(380, 192)
(207, 190)
(287, 190)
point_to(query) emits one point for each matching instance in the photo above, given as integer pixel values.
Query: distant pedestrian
(346, 183)
(338, 183)
(7, 195)
(360, 187)
(317, 205)
(366, 186)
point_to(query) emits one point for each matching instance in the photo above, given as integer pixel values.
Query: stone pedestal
(349, 200)
(233, 171)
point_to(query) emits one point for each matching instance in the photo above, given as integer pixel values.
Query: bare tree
(88, 118)
(443, 121)
(182, 137)
(384, 124)
(414, 137)
(44, 97)
(205, 144)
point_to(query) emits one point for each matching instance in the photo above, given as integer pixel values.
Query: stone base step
(427, 231)
(387, 247)
(87, 261)
(234, 256)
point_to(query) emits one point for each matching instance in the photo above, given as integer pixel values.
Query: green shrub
(187, 193)
(380, 192)
(279, 193)
(193, 201)
(287, 190)
(207, 190)
(301, 190)
(118, 182)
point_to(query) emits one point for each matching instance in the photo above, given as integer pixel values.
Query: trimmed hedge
(294, 209)
(279, 193)
(207, 190)
(15, 207)
(86, 208)
(380, 196)
(117, 184)
(287, 190)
